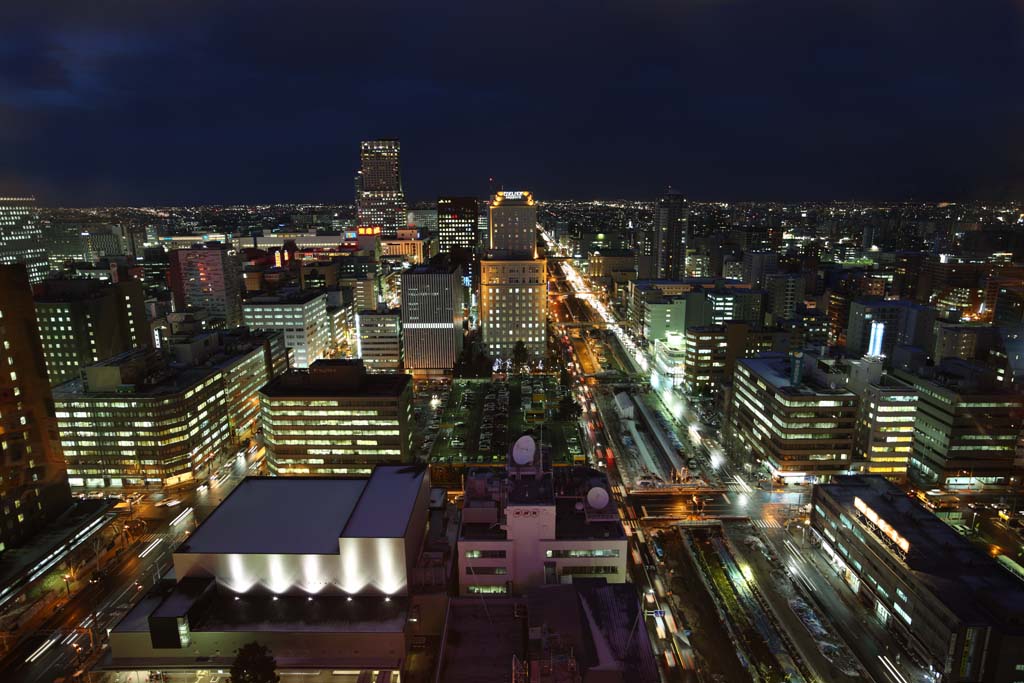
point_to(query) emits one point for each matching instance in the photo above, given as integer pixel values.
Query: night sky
(217, 102)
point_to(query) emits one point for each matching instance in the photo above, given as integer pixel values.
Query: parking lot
(483, 417)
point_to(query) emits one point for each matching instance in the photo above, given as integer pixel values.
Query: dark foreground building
(952, 605)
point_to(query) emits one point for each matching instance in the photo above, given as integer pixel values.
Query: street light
(67, 583)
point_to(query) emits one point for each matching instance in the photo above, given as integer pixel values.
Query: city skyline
(723, 101)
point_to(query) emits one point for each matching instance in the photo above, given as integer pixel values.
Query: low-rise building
(335, 418)
(950, 603)
(528, 526)
(322, 577)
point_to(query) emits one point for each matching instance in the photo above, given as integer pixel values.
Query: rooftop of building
(595, 620)
(290, 297)
(775, 369)
(159, 380)
(566, 490)
(307, 515)
(342, 378)
(613, 253)
(966, 580)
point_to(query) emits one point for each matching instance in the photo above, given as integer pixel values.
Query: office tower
(650, 250)
(513, 305)
(883, 437)
(380, 200)
(905, 323)
(115, 420)
(34, 486)
(1009, 307)
(670, 221)
(967, 426)
(21, 237)
(456, 223)
(379, 339)
(783, 293)
(513, 223)
(82, 322)
(424, 220)
(536, 544)
(209, 277)
(334, 418)
(790, 418)
(322, 571)
(969, 341)
(301, 316)
(758, 265)
(432, 317)
(946, 600)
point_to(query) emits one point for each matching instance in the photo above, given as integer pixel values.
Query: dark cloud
(266, 101)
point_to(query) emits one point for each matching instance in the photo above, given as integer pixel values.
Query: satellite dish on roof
(523, 450)
(597, 497)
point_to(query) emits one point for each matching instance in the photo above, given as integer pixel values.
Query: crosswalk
(766, 523)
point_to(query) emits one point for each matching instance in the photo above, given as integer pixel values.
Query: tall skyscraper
(380, 199)
(33, 481)
(456, 222)
(21, 237)
(209, 277)
(513, 223)
(432, 315)
(82, 322)
(670, 221)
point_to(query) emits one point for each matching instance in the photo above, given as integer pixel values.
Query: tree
(569, 409)
(254, 664)
(520, 355)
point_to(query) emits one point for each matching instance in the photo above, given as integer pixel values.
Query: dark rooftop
(336, 377)
(309, 514)
(965, 579)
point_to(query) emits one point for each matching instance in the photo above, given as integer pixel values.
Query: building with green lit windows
(335, 418)
(966, 426)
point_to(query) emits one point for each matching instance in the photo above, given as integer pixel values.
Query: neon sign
(883, 526)
(517, 194)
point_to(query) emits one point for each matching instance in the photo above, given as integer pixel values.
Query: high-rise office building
(33, 485)
(649, 253)
(758, 265)
(966, 426)
(300, 315)
(21, 237)
(670, 222)
(379, 339)
(209, 277)
(905, 323)
(798, 425)
(456, 222)
(513, 304)
(82, 322)
(513, 223)
(334, 418)
(380, 199)
(884, 434)
(432, 317)
(141, 419)
(783, 293)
